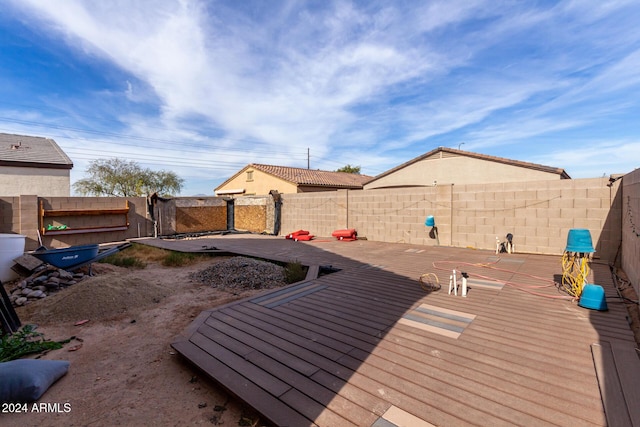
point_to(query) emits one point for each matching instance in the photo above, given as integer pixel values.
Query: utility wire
(170, 142)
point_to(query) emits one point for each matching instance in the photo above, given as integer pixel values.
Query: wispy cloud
(239, 79)
(593, 158)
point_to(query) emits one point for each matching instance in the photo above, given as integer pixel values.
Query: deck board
(341, 349)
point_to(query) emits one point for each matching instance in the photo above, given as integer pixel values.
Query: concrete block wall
(392, 215)
(139, 224)
(21, 215)
(29, 211)
(630, 248)
(316, 212)
(539, 214)
(9, 214)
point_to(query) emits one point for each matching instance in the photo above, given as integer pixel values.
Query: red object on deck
(303, 237)
(347, 234)
(297, 235)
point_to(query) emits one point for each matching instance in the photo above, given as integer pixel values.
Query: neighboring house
(257, 179)
(450, 166)
(31, 165)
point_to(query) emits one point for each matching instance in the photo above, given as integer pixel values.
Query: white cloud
(216, 73)
(593, 158)
(340, 76)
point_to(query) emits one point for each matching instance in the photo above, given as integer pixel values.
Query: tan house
(258, 179)
(449, 166)
(32, 165)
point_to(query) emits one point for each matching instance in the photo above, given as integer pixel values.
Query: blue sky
(202, 88)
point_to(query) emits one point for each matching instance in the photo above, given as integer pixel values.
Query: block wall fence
(630, 247)
(102, 219)
(539, 214)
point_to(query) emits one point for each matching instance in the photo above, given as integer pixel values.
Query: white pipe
(453, 283)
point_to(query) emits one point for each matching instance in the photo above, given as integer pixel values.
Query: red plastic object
(345, 234)
(303, 237)
(297, 234)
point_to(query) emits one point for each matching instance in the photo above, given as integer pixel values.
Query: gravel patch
(242, 273)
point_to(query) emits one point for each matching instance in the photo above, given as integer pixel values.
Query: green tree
(350, 169)
(117, 177)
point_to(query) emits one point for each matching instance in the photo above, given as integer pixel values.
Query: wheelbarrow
(74, 257)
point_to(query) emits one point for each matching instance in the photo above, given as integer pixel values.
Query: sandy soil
(123, 370)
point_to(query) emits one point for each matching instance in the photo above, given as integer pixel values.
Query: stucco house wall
(447, 166)
(16, 181)
(33, 165)
(256, 182)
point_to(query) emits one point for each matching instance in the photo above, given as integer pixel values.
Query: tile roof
(310, 177)
(535, 166)
(32, 151)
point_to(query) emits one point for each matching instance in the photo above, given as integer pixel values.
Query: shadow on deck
(367, 346)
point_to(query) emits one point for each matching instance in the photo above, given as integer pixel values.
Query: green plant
(294, 272)
(26, 341)
(122, 260)
(138, 256)
(147, 253)
(179, 259)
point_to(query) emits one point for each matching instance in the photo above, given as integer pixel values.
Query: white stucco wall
(17, 181)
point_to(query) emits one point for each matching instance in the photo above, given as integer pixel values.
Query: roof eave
(36, 165)
(542, 168)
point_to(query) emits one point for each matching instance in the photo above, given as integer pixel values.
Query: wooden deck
(367, 346)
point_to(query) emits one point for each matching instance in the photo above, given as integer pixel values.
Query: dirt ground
(123, 370)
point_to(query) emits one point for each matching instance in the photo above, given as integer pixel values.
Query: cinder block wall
(396, 215)
(9, 214)
(139, 224)
(630, 253)
(21, 215)
(539, 214)
(315, 212)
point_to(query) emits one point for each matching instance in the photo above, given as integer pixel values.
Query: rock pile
(35, 288)
(242, 273)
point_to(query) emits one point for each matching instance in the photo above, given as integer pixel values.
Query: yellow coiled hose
(575, 270)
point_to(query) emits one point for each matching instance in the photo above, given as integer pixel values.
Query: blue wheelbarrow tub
(67, 257)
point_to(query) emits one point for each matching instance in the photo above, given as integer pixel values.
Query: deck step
(618, 370)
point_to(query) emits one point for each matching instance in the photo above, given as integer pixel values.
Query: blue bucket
(579, 240)
(593, 297)
(430, 222)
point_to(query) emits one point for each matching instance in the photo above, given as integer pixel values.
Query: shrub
(179, 259)
(295, 272)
